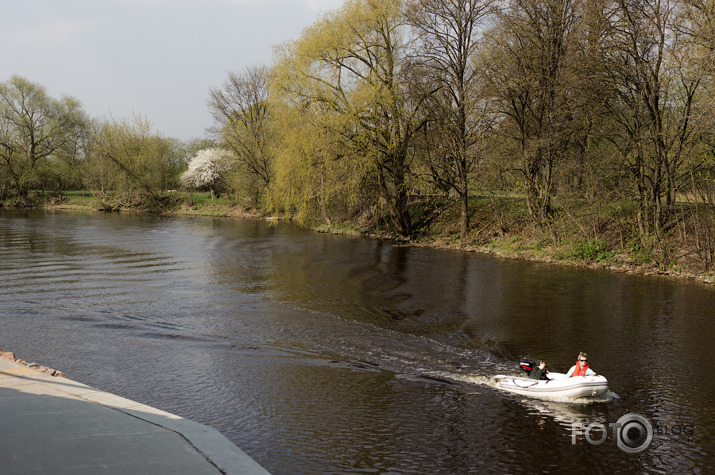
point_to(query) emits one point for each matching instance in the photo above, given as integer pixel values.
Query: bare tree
(242, 110)
(699, 16)
(449, 31)
(528, 70)
(649, 67)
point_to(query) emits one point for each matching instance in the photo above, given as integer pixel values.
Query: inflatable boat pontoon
(557, 386)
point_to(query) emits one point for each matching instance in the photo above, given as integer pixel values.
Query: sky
(157, 59)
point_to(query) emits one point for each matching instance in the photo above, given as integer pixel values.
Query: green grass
(339, 229)
(593, 250)
(182, 203)
(79, 198)
(202, 200)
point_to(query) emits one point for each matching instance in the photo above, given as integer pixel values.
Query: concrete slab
(56, 425)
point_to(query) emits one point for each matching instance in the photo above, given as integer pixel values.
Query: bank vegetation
(568, 130)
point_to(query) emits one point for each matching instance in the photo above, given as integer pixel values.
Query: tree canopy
(35, 130)
(382, 109)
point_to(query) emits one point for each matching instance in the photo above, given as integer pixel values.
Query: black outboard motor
(527, 365)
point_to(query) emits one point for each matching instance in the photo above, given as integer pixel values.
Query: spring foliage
(38, 134)
(130, 163)
(382, 108)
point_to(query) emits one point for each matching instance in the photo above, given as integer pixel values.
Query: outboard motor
(527, 365)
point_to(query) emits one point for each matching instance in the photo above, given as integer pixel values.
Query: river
(317, 353)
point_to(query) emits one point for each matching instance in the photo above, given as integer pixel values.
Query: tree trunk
(464, 195)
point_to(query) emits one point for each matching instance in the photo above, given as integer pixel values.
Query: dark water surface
(317, 353)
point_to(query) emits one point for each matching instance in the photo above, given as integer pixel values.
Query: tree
(207, 170)
(242, 110)
(589, 171)
(129, 162)
(35, 128)
(699, 16)
(315, 181)
(449, 33)
(352, 69)
(529, 70)
(649, 67)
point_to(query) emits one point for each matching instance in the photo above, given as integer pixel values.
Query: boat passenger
(581, 367)
(539, 371)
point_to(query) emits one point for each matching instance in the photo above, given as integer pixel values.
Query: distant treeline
(384, 103)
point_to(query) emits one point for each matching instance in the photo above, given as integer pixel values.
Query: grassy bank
(175, 204)
(577, 234)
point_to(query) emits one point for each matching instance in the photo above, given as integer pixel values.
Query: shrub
(595, 250)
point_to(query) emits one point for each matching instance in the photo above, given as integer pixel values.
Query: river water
(320, 354)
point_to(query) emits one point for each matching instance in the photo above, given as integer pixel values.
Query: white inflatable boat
(557, 386)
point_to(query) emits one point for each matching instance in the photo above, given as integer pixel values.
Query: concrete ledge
(95, 431)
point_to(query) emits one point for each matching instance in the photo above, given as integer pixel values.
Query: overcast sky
(155, 58)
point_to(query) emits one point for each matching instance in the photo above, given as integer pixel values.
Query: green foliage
(131, 166)
(640, 253)
(315, 180)
(349, 72)
(593, 250)
(41, 138)
(542, 243)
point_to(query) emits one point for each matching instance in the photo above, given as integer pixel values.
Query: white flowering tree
(207, 170)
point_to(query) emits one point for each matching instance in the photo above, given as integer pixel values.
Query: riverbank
(578, 234)
(601, 240)
(9, 355)
(512, 247)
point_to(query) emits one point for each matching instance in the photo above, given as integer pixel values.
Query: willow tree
(352, 66)
(315, 181)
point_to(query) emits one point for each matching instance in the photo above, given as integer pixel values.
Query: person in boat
(539, 371)
(581, 367)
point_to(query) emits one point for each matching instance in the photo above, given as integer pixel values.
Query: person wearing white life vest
(581, 367)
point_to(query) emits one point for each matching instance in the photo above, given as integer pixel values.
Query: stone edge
(213, 445)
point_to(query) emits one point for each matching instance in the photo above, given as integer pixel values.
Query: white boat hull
(558, 386)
